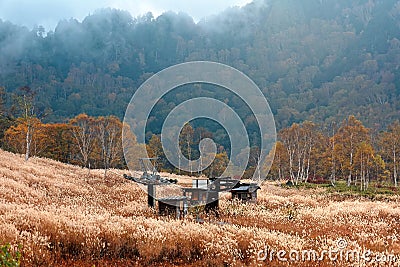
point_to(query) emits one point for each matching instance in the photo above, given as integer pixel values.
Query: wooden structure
(151, 178)
(173, 206)
(203, 191)
(206, 191)
(247, 192)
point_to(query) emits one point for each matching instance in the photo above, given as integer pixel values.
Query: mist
(310, 57)
(48, 13)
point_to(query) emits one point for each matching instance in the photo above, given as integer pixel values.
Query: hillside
(314, 60)
(64, 216)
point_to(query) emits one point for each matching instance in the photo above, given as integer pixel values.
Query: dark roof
(172, 198)
(191, 189)
(246, 188)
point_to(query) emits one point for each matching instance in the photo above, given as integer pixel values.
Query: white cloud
(49, 12)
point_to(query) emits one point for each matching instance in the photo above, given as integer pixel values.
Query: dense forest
(318, 60)
(314, 60)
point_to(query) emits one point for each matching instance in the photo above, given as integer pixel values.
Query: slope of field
(63, 215)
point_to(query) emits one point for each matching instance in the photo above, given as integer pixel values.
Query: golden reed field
(62, 215)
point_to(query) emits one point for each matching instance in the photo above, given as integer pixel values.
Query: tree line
(348, 151)
(304, 152)
(96, 142)
(92, 142)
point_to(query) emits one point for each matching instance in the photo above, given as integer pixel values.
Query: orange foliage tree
(25, 137)
(59, 141)
(47, 140)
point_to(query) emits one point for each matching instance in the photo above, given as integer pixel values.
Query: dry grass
(64, 216)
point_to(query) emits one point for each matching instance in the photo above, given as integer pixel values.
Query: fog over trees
(314, 60)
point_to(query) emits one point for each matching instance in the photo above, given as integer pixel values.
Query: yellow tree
(25, 105)
(319, 162)
(22, 138)
(155, 150)
(58, 139)
(83, 131)
(389, 146)
(280, 161)
(109, 135)
(363, 163)
(131, 148)
(186, 140)
(348, 138)
(218, 166)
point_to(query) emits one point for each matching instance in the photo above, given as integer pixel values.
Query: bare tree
(348, 138)
(300, 141)
(84, 133)
(186, 141)
(109, 134)
(25, 104)
(390, 148)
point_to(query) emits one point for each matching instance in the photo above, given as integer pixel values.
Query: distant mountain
(318, 60)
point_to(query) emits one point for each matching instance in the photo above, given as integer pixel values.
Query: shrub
(9, 257)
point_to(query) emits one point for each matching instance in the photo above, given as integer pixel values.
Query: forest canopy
(314, 60)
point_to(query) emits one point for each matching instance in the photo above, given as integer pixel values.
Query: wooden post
(151, 192)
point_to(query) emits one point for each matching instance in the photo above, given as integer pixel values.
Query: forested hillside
(318, 60)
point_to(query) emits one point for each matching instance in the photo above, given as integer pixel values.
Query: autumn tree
(155, 150)
(218, 166)
(133, 151)
(299, 141)
(109, 134)
(15, 137)
(314, 147)
(83, 130)
(280, 162)
(363, 163)
(349, 137)
(389, 146)
(186, 140)
(319, 161)
(289, 137)
(58, 138)
(330, 156)
(26, 109)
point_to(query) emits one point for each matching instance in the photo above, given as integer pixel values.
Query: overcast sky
(48, 12)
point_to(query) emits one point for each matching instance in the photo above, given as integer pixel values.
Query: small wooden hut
(247, 192)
